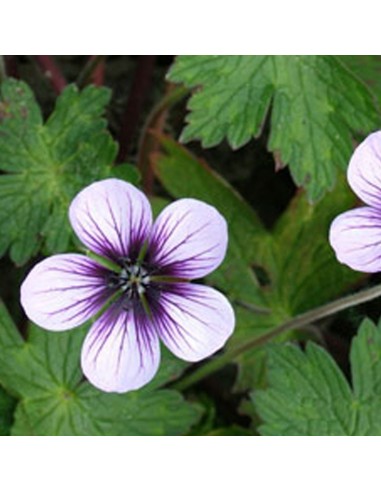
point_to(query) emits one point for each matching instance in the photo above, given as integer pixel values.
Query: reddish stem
(138, 93)
(51, 72)
(11, 66)
(98, 76)
(93, 71)
(149, 143)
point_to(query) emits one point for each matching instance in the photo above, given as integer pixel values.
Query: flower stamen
(132, 279)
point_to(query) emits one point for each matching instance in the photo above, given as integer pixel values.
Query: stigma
(132, 280)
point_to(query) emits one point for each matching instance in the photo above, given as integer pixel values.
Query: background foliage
(268, 141)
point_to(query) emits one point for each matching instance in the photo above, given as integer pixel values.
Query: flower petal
(193, 321)
(120, 353)
(64, 291)
(356, 238)
(189, 239)
(112, 218)
(364, 171)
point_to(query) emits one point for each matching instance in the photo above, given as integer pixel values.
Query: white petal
(189, 239)
(120, 353)
(112, 218)
(364, 170)
(194, 321)
(356, 238)
(64, 291)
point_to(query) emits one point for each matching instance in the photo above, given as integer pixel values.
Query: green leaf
(365, 359)
(296, 260)
(44, 374)
(368, 69)
(302, 269)
(7, 406)
(234, 430)
(126, 172)
(309, 395)
(185, 176)
(45, 165)
(302, 265)
(316, 104)
(88, 412)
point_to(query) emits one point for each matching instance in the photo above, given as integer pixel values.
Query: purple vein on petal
(144, 332)
(182, 268)
(101, 336)
(192, 320)
(89, 305)
(364, 193)
(108, 215)
(188, 240)
(167, 326)
(115, 356)
(164, 234)
(123, 246)
(162, 258)
(364, 170)
(102, 243)
(64, 291)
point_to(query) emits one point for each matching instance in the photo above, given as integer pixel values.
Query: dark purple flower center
(132, 280)
(139, 283)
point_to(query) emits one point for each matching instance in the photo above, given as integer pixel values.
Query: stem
(138, 95)
(297, 322)
(98, 75)
(52, 72)
(3, 73)
(89, 70)
(148, 143)
(11, 68)
(252, 308)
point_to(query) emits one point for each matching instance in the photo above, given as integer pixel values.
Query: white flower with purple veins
(144, 290)
(356, 235)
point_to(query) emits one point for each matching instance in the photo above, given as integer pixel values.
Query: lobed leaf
(367, 68)
(7, 406)
(43, 373)
(45, 165)
(309, 395)
(316, 107)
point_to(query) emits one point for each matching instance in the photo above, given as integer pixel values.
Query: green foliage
(368, 68)
(184, 176)
(45, 165)
(300, 268)
(234, 430)
(316, 108)
(7, 406)
(44, 374)
(303, 269)
(309, 395)
(127, 172)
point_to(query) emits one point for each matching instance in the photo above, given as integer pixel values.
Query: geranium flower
(356, 235)
(138, 280)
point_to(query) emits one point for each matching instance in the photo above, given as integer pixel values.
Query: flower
(137, 278)
(356, 235)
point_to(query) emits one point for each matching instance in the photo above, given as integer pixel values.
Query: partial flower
(356, 235)
(137, 282)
